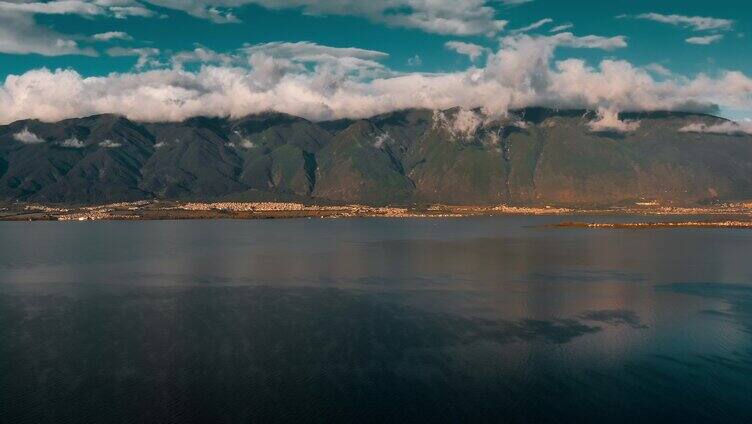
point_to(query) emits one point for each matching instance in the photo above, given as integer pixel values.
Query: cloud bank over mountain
(537, 62)
(320, 82)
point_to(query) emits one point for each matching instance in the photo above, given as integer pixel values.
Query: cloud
(658, 69)
(112, 35)
(414, 61)
(514, 2)
(67, 7)
(466, 123)
(27, 137)
(201, 54)
(381, 139)
(704, 41)
(560, 28)
(123, 12)
(115, 8)
(329, 62)
(461, 124)
(321, 82)
(608, 121)
(590, 41)
(19, 34)
(73, 143)
(473, 51)
(217, 11)
(468, 17)
(696, 23)
(725, 128)
(307, 51)
(245, 142)
(146, 55)
(109, 144)
(534, 25)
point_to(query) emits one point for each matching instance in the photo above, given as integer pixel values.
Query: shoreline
(729, 215)
(730, 224)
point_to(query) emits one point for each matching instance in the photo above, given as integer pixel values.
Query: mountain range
(532, 156)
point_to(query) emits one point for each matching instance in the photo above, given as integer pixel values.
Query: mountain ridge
(532, 156)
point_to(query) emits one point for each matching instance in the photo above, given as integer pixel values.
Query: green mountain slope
(534, 156)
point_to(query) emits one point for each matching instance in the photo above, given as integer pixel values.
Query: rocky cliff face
(532, 157)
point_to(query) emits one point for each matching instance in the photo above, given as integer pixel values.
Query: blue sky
(692, 51)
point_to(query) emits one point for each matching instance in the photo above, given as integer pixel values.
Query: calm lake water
(373, 320)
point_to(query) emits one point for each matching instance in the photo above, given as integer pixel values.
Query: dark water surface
(373, 320)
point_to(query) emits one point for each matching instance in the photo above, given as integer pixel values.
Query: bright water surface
(373, 320)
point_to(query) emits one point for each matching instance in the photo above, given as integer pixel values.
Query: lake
(373, 320)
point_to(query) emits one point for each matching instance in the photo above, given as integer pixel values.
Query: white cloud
(562, 27)
(589, 41)
(65, 7)
(608, 121)
(218, 11)
(468, 17)
(247, 144)
(115, 8)
(534, 25)
(122, 12)
(466, 123)
(320, 82)
(307, 51)
(473, 51)
(658, 69)
(381, 139)
(112, 35)
(514, 2)
(109, 144)
(19, 34)
(270, 60)
(73, 143)
(697, 23)
(415, 60)
(704, 41)
(726, 128)
(145, 55)
(201, 54)
(242, 141)
(27, 137)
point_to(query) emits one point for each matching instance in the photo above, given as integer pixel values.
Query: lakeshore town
(727, 215)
